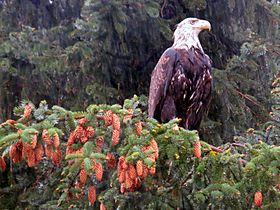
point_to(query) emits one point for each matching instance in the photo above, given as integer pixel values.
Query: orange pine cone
(98, 171)
(121, 175)
(138, 128)
(31, 158)
(29, 153)
(79, 131)
(71, 139)
(83, 176)
(154, 146)
(84, 137)
(99, 141)
(91, 194)
(152, 156)
(108, 118)
(69, 150)
(115, 137)
(122, 188)
(46, 137)
(145, 171)
(27, 148)
(116, 122)
(120, 163)
(89, 131)
(12, 150)
(119, 169)
(124, 164)
(152, 170)
(111, 160)
(2, 163)
(19, 145)
(56, 156)
(139, 168)
(82, 121)
(258, 199)
(102, 206)
(197, 149)
(56, 140)
(11, 122)
(39, 152)
(132, 172)
(19, 155)
(128, 116)
(128, 181)
(14, 154)
(34, 141)
(48, 151)
(27, 110)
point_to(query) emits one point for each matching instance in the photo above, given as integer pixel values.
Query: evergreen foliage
(81, 52)
(146, 166)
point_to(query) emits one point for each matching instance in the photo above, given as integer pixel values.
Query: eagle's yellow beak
(204, 25)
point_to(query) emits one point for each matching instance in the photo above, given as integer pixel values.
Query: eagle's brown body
(181, 86)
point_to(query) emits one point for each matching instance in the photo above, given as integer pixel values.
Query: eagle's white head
(186, 33)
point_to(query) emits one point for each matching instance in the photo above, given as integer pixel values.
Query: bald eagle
(181, 82)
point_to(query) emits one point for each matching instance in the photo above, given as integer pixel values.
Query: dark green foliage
(83, 60)
(224, 177)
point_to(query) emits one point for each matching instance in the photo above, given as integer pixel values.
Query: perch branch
(248, 98)
(238, 145)
(213, 148)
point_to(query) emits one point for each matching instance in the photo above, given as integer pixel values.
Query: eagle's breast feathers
(181, 86)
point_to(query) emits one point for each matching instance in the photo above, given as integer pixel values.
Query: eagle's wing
(160, 79)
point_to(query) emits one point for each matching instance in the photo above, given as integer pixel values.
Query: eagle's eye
(193, 21)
